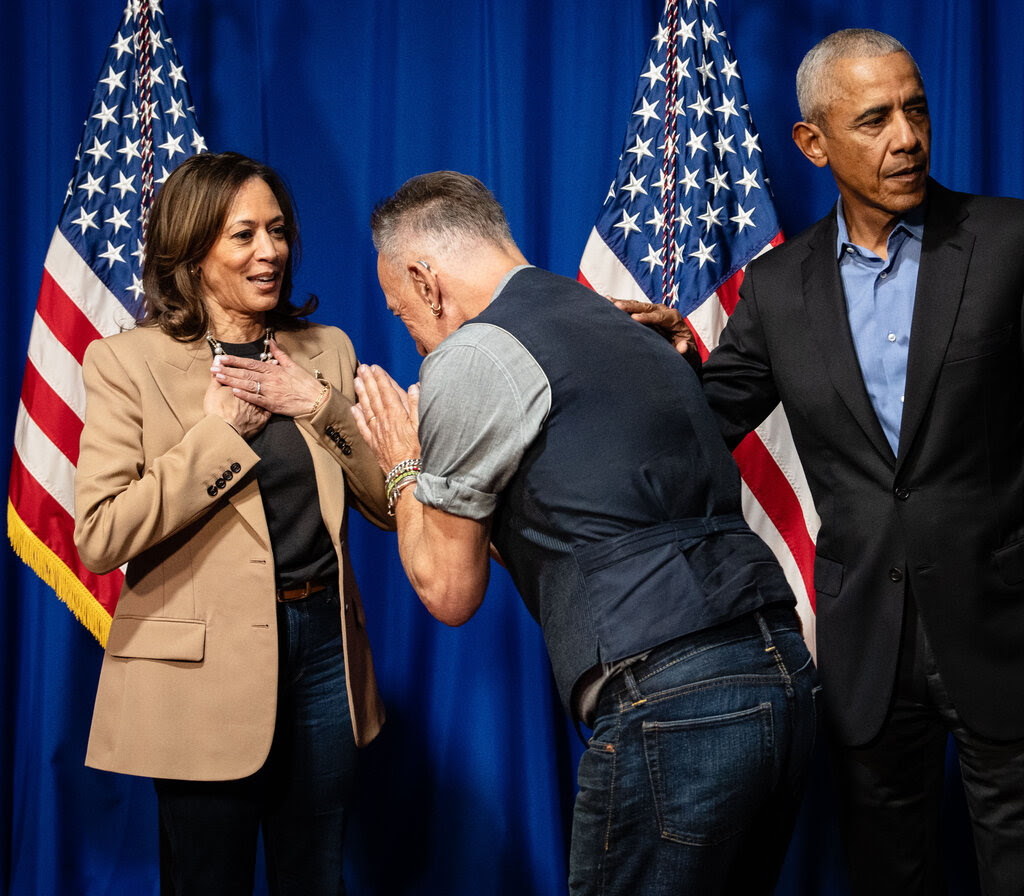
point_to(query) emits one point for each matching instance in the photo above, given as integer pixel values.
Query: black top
(301, 544)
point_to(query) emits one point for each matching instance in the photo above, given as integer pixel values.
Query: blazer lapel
(826, 310)
(945, 256)
(182, 374)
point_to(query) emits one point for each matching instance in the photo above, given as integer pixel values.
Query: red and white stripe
(74, 308)
(776, 499)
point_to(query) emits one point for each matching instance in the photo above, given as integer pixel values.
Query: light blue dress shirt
(880, 309)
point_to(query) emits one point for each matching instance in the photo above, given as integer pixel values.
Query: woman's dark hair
(187, 218)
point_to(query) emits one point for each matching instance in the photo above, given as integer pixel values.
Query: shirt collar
(911, 224)
(507, 277)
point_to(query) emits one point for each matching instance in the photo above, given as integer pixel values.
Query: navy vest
(622, 527)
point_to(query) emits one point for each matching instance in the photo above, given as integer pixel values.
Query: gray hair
(446, 208)
(815, 85)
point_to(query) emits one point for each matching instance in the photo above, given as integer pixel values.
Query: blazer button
(228, 475)
(346, 448)
(331, 431)
(902, 493)
(895, 574)
(221, 483)
(236, 468)
(212, 491)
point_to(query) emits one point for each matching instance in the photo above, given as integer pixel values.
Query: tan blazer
(188, 687)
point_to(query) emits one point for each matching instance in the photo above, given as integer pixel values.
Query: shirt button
(883, 275)
(892, 337)
(895, 574)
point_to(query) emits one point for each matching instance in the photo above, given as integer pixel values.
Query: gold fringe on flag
(52, 570)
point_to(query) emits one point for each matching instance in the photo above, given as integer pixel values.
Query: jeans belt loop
(770, 648)
(629, 679)
(766, 633)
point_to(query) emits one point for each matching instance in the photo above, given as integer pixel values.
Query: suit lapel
(826, 311)
(945, 256)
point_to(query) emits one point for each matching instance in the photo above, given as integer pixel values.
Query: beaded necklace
(265, 355)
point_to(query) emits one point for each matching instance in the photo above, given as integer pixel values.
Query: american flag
(688, 209)
(140, 126)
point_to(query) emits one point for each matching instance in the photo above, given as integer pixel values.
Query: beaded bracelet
(396, 490)
(413, 463)
(400, 476)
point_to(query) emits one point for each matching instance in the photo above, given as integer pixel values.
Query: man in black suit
(891, 333)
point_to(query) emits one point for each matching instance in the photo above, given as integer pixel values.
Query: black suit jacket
(945, 518)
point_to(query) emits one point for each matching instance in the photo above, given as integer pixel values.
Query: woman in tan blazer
(237, 672)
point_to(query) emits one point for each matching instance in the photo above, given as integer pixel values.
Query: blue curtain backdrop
(469, 788)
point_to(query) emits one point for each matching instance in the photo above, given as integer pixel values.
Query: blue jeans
(300, 797)
(693, 776)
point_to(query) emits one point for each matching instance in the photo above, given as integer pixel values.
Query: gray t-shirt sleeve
(483, 400)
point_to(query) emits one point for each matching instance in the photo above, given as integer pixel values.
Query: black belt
(286, 594)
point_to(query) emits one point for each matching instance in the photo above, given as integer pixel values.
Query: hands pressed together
(387, 416)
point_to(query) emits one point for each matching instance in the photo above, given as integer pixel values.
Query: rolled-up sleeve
(483, 400)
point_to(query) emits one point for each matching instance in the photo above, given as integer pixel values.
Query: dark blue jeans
(300, 798)
(693, 777)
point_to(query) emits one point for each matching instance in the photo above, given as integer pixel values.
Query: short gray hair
(815, 84)
(445, 207)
